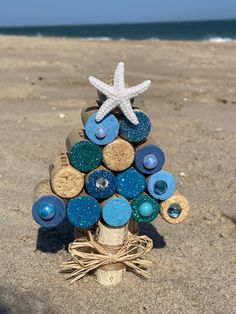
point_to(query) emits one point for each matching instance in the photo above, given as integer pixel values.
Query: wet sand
(192, 104)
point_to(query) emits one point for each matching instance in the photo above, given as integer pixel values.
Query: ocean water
(218, 31)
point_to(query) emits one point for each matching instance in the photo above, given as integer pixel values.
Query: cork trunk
(112, 239)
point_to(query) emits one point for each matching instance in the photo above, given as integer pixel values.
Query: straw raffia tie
(130, 254)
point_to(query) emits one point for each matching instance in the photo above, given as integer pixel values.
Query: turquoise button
(145, 209)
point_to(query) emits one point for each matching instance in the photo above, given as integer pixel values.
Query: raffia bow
(130, 254)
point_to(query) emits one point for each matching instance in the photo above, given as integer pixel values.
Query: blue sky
(55, 12)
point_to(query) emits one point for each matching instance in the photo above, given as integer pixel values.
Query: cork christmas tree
(109, 179)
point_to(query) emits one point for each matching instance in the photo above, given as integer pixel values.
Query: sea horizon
(203, 30)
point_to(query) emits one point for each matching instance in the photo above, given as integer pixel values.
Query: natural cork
(66, 181)
(178, 198)
(112, 239)
(75, 137)
(87, 111)
(118, 155)
(42, 188)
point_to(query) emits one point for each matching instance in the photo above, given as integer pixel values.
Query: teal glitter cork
(85, 156)
(83, 211)
(130, 183)
(144, 208)
(135, 133)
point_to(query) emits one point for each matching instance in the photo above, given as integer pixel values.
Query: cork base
(112, 238)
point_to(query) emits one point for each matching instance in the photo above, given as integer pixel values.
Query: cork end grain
(118, 155)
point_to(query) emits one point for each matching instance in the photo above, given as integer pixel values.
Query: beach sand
(192, 104)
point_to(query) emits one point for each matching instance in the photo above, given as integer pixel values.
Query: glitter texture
(103, 191)
(85, 156)
(130, 183)
(138, 201)
(83, 211)
(135, 133)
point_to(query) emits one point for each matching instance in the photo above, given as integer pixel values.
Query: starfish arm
(128, 111)
(138, 89)
(119, 82)
(103, 87)
(105, 108)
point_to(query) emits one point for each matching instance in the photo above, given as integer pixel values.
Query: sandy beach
(192, 104)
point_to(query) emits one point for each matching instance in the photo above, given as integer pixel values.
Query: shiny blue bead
(145, 209)
(100, 132)
(174, 210)
(160, 187)
(150, 161)
(46, 211)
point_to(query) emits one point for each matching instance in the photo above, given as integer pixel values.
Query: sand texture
(192, 104)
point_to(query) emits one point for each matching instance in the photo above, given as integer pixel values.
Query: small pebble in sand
(61, 115)
(54, 108)
(185, 99)
(182, 174)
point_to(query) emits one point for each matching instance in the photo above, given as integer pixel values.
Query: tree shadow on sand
(55, 239)
(151, 231)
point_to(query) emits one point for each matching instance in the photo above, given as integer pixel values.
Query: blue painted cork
(130, 183)
(144, 208)
(149, 159)
(161, 185)
(101, 183)
(49, 211)
(83, 211)
(135, 133)
(116, 211)
(85, 156)
(104, 132)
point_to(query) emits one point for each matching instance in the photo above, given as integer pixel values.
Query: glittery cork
(118, 155)
(66, 181)
(100, 183)
(175, 209)
(138, 202)
(135, 133)
(84, 155)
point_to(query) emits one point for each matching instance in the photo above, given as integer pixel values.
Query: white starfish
(117, 95)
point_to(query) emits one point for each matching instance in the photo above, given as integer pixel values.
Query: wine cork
(135, 133)
(112, 239)
(42, 188)
(87, 111)
(130, 183)
(84, 155)
(161, 185)
(116, 211)
(103, 132)
(66, 181)
(83, 211)
(149, 158)
(175, 209)
(118, 155)
(144, 208)
(48, 210)
(100, 183)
